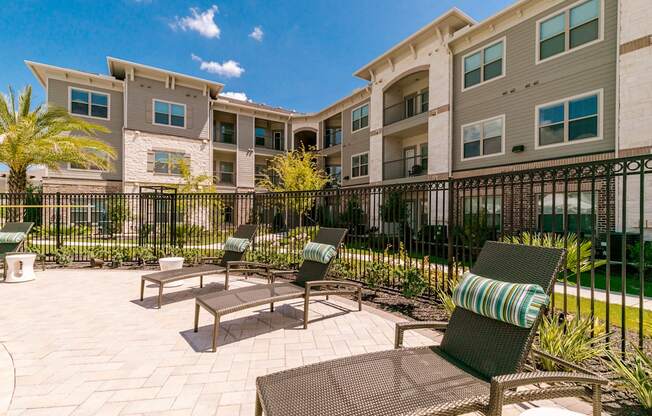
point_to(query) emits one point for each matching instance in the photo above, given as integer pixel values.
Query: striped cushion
(322, 253)
(16, 237)
(239, 245)
(517, 304)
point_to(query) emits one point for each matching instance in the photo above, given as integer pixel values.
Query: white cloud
(235, 95)
(257, 34)
(201, 22)
(228, 69)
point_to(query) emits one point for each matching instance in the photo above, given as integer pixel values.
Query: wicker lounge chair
(309, 281)
(477, 367)
(8, 248)
(231, 261)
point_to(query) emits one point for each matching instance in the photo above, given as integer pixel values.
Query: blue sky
(302, 57)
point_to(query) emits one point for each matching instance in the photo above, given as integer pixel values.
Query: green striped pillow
(322, 253)
(517, 304)
(16, 237)
(238, 245)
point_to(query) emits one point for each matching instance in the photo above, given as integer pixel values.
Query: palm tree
(47, 136)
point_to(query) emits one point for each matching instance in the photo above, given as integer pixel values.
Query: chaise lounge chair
(477, 367)
(308, 278)
(12, 240)
(229, 262)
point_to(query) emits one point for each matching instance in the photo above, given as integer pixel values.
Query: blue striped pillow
(516, 304)
(16, 237)
(238, 245)
(322, 253)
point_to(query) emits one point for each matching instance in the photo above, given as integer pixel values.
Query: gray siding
(58, 95)
(527, 85)
(245, 158)
(140, 95)
(353, 143)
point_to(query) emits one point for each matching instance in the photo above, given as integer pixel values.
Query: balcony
(332, 137)
(408, 167)
(224, 179)
(408, 108)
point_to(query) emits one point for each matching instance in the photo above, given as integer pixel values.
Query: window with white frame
(569, 120)
(89, 103)
(483, 138)
(484, 65)
(360, 165)
(226, 173)
(360, 118)
(169, 114)
(576, 26)
(168, 163)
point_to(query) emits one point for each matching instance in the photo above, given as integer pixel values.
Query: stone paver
(79, 342)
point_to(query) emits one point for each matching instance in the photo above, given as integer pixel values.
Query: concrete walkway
(79, 342)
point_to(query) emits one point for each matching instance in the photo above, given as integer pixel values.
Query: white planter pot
(171, 263)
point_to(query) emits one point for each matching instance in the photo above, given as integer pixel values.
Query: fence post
(173, 220)
(57, 220)
(449, 231)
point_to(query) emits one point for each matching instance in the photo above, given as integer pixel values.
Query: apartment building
(540, 83)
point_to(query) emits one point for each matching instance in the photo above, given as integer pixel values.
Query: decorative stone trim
(636, 44)
(439, 110)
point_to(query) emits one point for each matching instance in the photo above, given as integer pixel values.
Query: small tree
(117, 213)
(298, 172)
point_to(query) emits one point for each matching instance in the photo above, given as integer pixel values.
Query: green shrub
(570, 340)
(186, 233)
(117, 213)
(412, 282)
(633, 375)
(377, 274)
(444, 292)
(98, 252)
(143, 254)
(634, 254)
(64, 255)
(341, 270)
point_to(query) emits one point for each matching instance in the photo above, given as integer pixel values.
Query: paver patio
(78, 342)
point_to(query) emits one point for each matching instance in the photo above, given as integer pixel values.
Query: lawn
(632, 280)
(615, 315)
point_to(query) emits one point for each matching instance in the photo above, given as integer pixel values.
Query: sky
(296, 54)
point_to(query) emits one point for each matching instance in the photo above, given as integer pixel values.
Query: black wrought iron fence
(600, 212)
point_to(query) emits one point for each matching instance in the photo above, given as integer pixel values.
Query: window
(570, 29)
(168, 163)
(577, 209)
(89, 211)
(169, 114)
(89, 103)
(335, 173)
(332, 137)
(226, 173)
(483, 211)
(483, 138)
(360, 165)
(410, 106)
(360, 118)
(424, 156)
(278, 139)
(227, 133)
(260, 136)
(569, 120)
(423, 97)
(484, 65)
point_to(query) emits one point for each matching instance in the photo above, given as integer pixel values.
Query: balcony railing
(332, 137)
(224, 178)
(405, 109)
(405, 168)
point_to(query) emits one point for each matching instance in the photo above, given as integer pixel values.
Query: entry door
(409, 158)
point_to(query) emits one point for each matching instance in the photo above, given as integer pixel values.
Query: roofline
(32, 65)
(251, 105)
(483, 23)
(364, 89)
(451, 12)
(110, 60)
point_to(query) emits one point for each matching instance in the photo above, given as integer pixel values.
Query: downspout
(451, 86)
(617, 130)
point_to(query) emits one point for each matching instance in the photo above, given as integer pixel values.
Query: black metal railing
(405, 109)
(405, 168)
(600, 210)
(332, 137)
